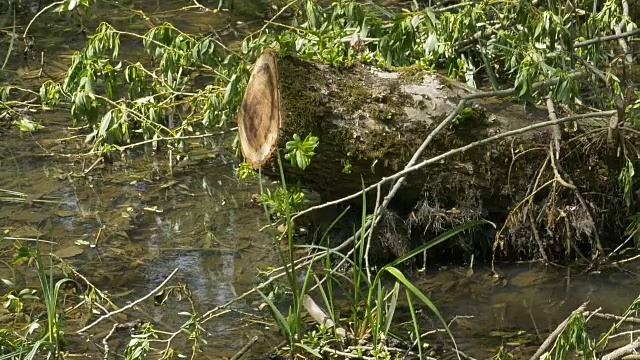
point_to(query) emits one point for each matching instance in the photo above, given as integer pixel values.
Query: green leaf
(310, 350)
(425, 300)
(25, 124)
(231, 86)
(105, 124)
(283, 324)
(391, 307)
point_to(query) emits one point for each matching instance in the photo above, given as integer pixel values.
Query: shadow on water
(145, 223)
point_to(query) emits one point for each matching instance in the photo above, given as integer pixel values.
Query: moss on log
(370, 122)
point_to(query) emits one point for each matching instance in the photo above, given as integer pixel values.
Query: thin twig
(536, 236)
(105, 341)
(129, 306)
(186, 137)
(245, 348)
(600, 39)
(28, 239)
(26, 30)
(267, 22)
(463, 355)
(632, 320)
(346, 354)
(557, 133)
(370, 239)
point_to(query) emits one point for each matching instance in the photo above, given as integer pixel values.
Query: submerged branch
(245, 348)
(552, 337)
(618, 353)
(130, 305)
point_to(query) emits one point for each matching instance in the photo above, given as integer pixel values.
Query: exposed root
(431, 216)
(393, 234)
(554, 153)
(536, 236)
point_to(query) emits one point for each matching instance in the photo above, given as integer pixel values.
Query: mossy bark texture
(370, 122)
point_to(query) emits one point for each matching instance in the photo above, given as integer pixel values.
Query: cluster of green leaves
(126, 101)
(373, 304)
(299, 151)
(30, 336)
(280, 199)
(244, 171)
(518, 43)
(574, 338)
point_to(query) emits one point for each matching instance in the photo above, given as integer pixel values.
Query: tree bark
(370, 122)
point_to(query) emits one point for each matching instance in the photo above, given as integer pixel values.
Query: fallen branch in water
(130, 305)
(245, 348)
(554, 335)
(618, 353)
(632, 320)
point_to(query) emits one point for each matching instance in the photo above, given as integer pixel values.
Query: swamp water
(127, 225)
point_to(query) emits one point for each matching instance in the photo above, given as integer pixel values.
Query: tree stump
(370, 122)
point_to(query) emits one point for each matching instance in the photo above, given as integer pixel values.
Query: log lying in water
(370, 122)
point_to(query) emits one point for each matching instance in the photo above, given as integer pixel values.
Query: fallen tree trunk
(370, 122)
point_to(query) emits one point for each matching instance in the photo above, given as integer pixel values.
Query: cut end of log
(259, 114)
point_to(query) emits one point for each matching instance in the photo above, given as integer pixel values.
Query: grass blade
(416, 326)
(280, 319)
(422, 297)
(391, 309)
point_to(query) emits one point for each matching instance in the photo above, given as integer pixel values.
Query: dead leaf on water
(169, 184)
(122, 234)
(69, 251)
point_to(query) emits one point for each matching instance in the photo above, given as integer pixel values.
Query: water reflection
(525, 303)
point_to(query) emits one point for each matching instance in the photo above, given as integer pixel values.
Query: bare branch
(130, 305)
(554, 153)
(600, 39)
(627, 349)
(552, 337)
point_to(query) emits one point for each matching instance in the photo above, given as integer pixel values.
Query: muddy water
(521, 306)
(129, 224)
